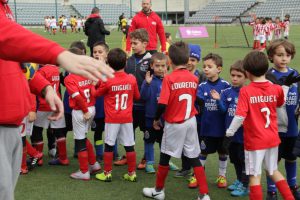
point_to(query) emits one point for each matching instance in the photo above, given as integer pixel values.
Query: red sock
(62, 148)
(83, 161)
(201, 179)
(131, 161)
(32, 152)
(161, 175)
(108, 159)
(39, 146)
(256, 192)
(90, 150)
(24, 156)
(284, 190)
(254, 44)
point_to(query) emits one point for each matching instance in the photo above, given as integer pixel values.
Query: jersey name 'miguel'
(115, 88)
(181, 85)
(263, 99)
(84, 83)
(55, 78)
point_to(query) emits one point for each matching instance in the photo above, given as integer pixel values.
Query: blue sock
(116, 154)
(99, 147)
(271, 185)
(291, 173)
(149, 152)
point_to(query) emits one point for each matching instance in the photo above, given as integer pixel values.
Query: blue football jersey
(229, 99)
(291, 102)
(99, 107)
(212, 119)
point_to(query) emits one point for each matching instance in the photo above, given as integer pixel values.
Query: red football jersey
(257, 103)
(119, 93)
(178, 92)
(80, 90)
(51, 73)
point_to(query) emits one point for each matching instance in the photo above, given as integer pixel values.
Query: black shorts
(286, 148)
(68, 119)
(151, 135)
(209, 145)
(98, 125)
(139, 119)
(236, 153)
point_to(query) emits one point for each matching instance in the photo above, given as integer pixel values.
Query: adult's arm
(102, 28)
(161, 35)
(21, 45)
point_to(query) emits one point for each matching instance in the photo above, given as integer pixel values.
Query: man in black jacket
(94, 29)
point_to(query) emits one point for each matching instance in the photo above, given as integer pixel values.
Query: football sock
(99, 147)
(149, 153)
(39, 146)
(271, 185)
(222, 165)
(161, 175)
(284, 190)
(83, 161)
(291, 173)
(256, 192)
(108, 158)
(24, 156)
(185, 163)
(238, 171)
(51, 139)
(131, 161)
(201, 179)
(62, 148)
(32, 152)
(116, 154)
(91, 153)
(202, 160)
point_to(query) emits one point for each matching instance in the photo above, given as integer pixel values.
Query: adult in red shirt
(15, 94)
(150, 21)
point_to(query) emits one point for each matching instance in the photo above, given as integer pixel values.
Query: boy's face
(169, 39)
(281, 58)
(210, 69)
(100, 53)
(238, 79)
(159, 67)
(138, 46)
(191, 66)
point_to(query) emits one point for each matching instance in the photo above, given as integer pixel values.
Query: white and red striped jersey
(261, 29)
(270, 28)
(277, 29)
(286, 26)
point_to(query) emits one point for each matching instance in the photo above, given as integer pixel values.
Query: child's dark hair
(80, 45)
(76, 51)
(116, 59)
(140, 34)
(256, 63)
(158, 56)
(238, 66)
(287, 16)
(179, 53)
(103, 44)
(214, 57)
(167, 34)
(288, 46)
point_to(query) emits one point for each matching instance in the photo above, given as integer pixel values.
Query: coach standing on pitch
(150, 21)
(94, 29)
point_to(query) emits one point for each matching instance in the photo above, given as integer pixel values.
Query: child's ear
(220, 69)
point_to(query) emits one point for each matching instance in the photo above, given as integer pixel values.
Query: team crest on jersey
(229, 99)
(205, 94)
(146, 135)
(202, 145)
(154, 23)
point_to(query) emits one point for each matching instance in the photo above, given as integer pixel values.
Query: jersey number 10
(123, 102)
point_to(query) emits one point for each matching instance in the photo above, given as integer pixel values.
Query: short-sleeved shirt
(78, 85)
(257, 104)
(119, 93)
(179, 94)
(51, 73)
(212, 120)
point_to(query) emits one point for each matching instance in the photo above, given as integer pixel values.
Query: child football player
(137, 65)
(51, 73)
(119, 93)
(227, 102)
(82, 102)
(212, 122)
(176, 100)
(280, 53)
(278, 28)
(256, 110)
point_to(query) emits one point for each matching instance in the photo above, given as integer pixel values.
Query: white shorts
(270, 37)
(43, 121)
(262, 39)
(122, 132)
(285, 34)
(178, 138)
(80, 126)
(255, 159)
